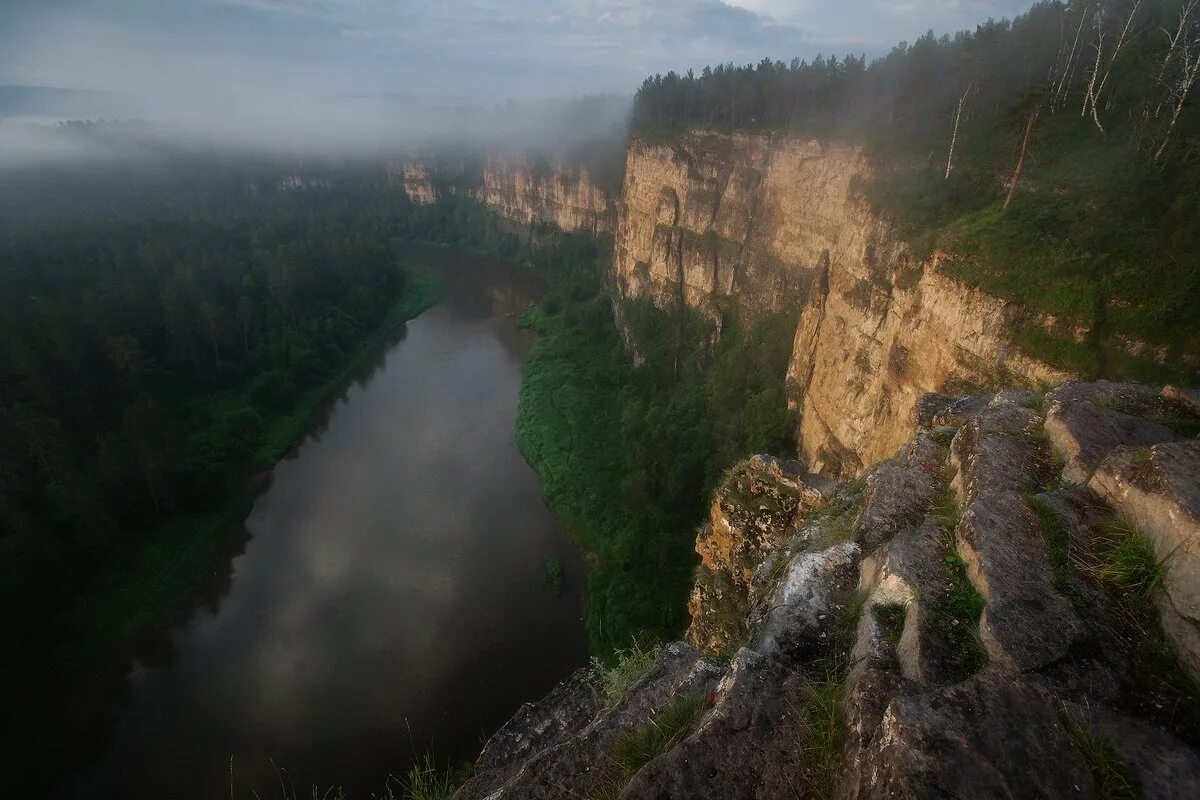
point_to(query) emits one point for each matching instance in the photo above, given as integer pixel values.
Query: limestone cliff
(525, 191)
(955, 623)
(417, 176)
(778, 221)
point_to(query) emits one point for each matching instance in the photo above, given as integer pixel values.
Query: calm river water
(390, 596)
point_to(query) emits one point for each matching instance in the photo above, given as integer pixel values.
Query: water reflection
(390, 594)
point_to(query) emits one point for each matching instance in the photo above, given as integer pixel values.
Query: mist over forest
(216, 214)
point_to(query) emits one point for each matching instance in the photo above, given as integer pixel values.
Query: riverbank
(628, 454)
(156, 582)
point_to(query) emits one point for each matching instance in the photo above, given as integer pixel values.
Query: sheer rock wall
(522, 191)
(776, 222)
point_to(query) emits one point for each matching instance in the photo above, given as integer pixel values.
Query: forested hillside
(1055, 157)
(148, 364)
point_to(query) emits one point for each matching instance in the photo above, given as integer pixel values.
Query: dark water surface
(391, 594)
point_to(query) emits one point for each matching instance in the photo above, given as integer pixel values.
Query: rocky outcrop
(418, 177)
(1026, 624)
(953, 624)
(1085, 421)
(528, 192)
(778, 222)
(760, 503)
(522, 761)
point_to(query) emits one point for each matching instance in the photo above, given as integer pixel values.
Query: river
(391, 596)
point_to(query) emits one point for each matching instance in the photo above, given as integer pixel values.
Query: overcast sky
(489, 49)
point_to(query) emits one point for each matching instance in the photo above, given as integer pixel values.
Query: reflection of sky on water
(391, 587)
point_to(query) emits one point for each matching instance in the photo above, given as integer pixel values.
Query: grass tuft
(1112, 782)
(1126, 559)
(427, 782)
(947, 511)
(634, 749)
(822, 716)
(631, 663)
(953, 613)
(834, 522)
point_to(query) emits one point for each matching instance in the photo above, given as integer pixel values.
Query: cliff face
(747, 216)
(519, 190)
(777, 221)
(417, 178)
(950, 625)
(866, 350)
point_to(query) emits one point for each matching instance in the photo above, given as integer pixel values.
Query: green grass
(1058, 549)
(1112, 780)
(426, 781)
(835, 521)
(847, 608)
(1126, 559)
(634, 749)
(953, 614)
(823, 731)
(626, 668)
(954, 619)
(1187, 427)
(947, 511)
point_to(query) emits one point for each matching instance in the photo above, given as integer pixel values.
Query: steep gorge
(930, 602)
(768, 221)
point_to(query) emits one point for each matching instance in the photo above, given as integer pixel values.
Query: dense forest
(151, 363)
(1055, 156)
(155, 353)
(628, 452)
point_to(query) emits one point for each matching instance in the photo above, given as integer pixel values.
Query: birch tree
(1096, 87)
(962, 102)
(1175, 42)
(1180, 83)
(1060, 89)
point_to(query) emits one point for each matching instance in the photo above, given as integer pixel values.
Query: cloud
(291, 64)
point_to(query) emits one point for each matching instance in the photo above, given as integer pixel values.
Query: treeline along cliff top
(1055, 156)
